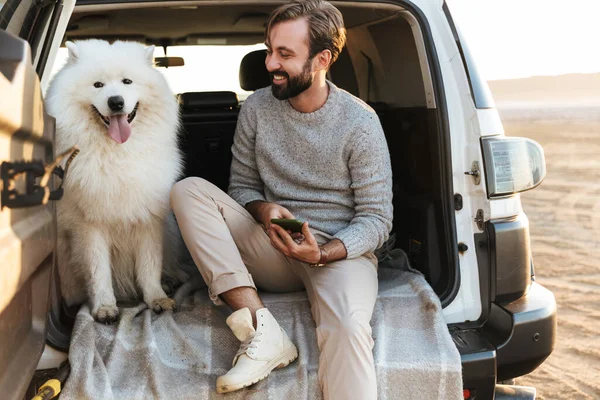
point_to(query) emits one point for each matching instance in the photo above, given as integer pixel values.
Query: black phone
(288, 224)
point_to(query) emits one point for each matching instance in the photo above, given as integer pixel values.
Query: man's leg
(342, 296)
(227, 244)
(240, 297)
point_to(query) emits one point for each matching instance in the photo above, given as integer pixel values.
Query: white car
(457, 178)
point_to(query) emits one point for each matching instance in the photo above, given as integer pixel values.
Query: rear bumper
(516, 338)
(533, 334)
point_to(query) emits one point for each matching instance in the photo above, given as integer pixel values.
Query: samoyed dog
(110, 102)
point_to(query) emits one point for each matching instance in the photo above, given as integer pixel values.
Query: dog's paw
(163, 304)
(106, 314)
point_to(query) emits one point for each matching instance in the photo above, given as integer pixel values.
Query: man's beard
(294, 85)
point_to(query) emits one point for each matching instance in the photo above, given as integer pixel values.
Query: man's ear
(324, 60)
(150, 54)
(72, 50)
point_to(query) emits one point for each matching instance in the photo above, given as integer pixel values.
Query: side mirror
(167, 62)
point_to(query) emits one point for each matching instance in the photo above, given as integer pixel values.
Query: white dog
(110, 102)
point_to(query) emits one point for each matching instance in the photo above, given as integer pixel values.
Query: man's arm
(245, 185)
(254, 208)
(371, 175)
(334, 250)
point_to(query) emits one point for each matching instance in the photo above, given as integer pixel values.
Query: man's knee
(347, 329)
(184, 189)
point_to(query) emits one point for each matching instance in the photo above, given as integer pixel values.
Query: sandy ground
(564, 215)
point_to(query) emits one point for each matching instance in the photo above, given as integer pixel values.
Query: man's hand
(306, 250)
(263, 212)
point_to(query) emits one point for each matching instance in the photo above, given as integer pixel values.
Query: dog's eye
(98, 84)
(127, 81)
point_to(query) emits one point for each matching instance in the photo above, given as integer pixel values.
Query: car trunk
(388, 62)
(380, 65)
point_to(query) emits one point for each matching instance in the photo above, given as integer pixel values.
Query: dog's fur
(115, 209)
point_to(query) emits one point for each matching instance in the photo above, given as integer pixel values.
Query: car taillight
(512, 165)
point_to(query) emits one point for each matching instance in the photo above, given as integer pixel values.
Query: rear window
(207, 68)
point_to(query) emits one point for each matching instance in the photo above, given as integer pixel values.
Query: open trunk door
(27, 214)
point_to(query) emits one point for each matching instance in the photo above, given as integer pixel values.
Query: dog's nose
(116, 103)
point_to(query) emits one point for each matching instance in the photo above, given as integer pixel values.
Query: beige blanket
(179, 355)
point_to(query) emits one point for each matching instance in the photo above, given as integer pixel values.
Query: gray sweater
(330, 167)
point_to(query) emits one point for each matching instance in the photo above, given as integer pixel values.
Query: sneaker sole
(288, 357)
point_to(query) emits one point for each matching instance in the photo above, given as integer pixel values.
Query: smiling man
(308, 150)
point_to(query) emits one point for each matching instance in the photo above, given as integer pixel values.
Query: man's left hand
(306, 251)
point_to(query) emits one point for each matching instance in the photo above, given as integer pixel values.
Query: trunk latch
(36, 192)
(474, 172)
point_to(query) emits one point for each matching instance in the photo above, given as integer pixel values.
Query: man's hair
(325, 25)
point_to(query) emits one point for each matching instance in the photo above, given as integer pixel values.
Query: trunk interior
(384, 64)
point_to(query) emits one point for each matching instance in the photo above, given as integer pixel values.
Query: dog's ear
(150, 54)
(73, 50)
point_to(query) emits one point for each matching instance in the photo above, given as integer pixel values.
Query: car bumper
(516, 338)
(532, 336)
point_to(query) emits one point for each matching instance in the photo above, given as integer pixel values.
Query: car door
(28, 30)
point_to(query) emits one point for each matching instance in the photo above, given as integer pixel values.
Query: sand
(564, 215)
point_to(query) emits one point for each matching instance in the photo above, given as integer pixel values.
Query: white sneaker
(262, 350)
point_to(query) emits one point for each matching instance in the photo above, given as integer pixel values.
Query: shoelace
(250, 343)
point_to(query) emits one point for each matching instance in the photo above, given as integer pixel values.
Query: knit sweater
(330, 167)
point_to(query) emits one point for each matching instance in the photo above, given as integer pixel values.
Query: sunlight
(516, 38)
(207, 68)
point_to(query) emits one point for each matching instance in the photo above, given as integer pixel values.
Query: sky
(520, 38)
(508, 39)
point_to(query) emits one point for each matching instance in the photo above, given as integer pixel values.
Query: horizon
(545, 76)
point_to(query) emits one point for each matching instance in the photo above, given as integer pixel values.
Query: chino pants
(232, 250)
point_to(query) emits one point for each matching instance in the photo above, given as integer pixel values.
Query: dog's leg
(72, 287)
(148, 267)
(91, 248)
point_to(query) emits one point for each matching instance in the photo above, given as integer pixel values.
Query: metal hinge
(479, 219)
(36, 192)
(474, 172)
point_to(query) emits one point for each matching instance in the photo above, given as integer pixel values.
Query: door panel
(27, 235)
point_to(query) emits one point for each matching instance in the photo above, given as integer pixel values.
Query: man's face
(287, 59)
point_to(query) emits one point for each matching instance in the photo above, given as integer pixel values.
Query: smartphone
(288, 224)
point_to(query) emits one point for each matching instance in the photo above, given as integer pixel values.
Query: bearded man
(303, 149)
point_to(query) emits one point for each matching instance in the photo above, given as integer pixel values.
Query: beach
(564, 217)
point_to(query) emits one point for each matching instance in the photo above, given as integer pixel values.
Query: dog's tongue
(119, 129)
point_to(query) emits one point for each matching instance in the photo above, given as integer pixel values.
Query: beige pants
(231, 250)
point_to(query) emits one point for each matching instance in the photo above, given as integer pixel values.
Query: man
(303, 149)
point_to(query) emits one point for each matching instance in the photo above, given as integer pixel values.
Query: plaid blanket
(179, 355)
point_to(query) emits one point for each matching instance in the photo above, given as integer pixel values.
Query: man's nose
(116, 103)
(272, 63)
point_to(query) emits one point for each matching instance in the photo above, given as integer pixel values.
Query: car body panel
(27, 235)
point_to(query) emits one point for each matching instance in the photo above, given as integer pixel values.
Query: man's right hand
(263, 212)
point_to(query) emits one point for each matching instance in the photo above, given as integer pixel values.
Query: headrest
(253, 72)
(195, 100)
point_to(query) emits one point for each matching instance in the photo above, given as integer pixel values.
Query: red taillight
(466, 394)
